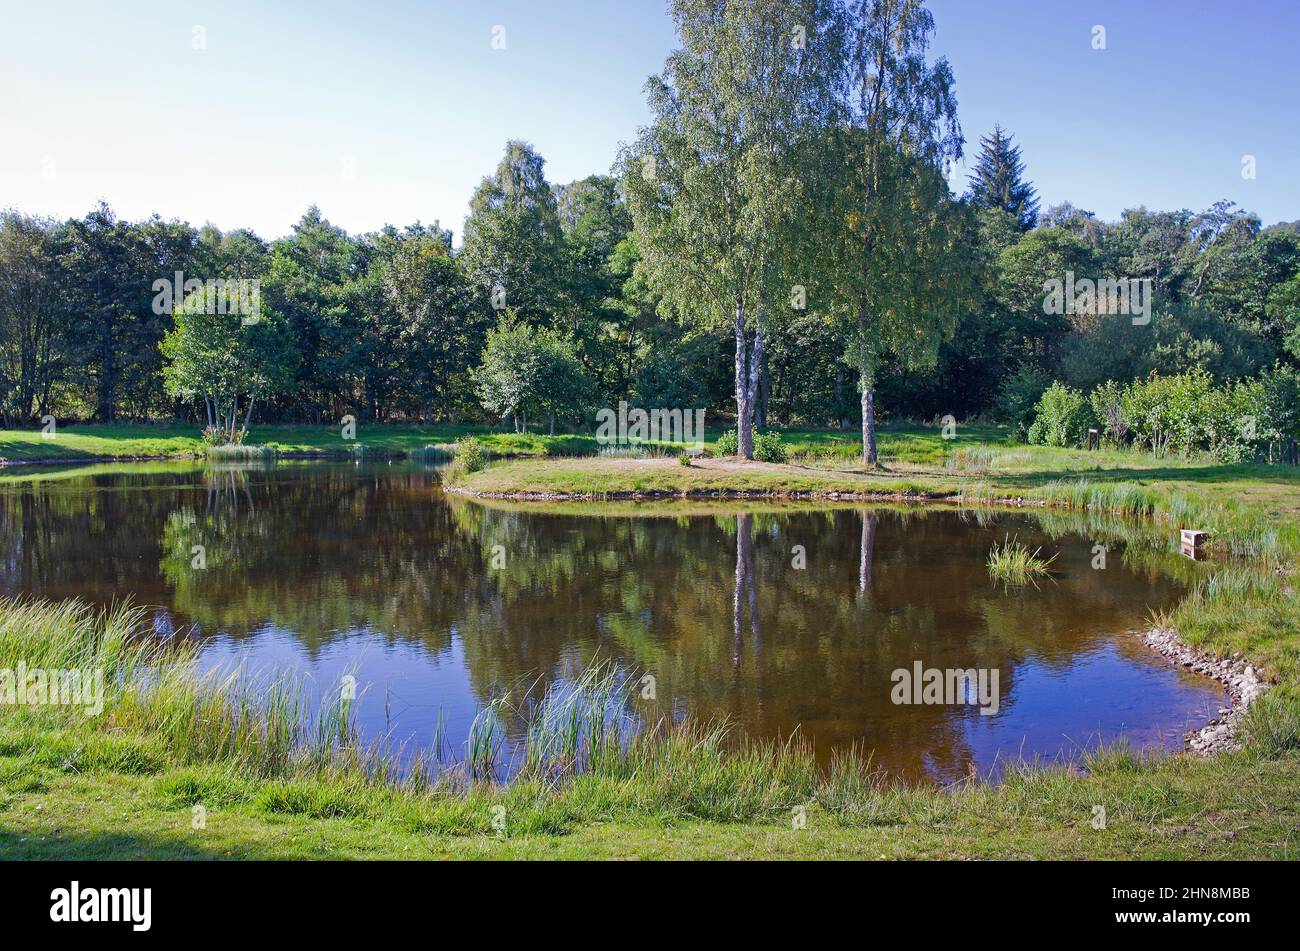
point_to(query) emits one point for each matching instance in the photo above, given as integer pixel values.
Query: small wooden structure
(1193, 540)
(1094, 439)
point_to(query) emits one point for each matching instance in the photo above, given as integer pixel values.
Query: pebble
(1240, 679)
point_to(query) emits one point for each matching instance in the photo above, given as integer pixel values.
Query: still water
(775, 618)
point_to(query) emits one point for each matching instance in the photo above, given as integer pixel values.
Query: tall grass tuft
(433, 452)
(1272, 726)
(233, 452)
(1013, 563)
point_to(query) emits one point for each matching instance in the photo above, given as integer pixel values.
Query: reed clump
(1013, 563)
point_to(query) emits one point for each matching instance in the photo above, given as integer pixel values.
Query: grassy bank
(140, 441)
(1252, 510)
(275, 782)
(911, 444)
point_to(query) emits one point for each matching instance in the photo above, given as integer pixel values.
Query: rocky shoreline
(796, 495)
(1242, 681)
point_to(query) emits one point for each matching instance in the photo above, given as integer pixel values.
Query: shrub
(1232, 420)
(1170, 414)
(1186, 413)
(769, 448)
(684, 459)
(1281, 396)
(470, 455)
(216, 436)
(1107, 402)
(1063, 417)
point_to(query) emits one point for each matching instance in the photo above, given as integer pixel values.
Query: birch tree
(713, 183)
(897, 265)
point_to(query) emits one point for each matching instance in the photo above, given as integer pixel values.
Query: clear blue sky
(388, 112)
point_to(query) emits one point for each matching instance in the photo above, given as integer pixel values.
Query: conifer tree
(998, 180)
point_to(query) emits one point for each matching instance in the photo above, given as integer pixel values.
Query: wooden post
(1094, 439)
(1192, 540)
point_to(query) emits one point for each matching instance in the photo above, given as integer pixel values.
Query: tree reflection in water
(325, 565)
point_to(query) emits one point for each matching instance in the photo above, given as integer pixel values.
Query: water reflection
(328, 567)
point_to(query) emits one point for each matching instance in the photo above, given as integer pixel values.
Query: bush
(470, 455)
(1107, 402)
(1187, 413)
(1281, 396)
(684, 459)
(215, 436)
(767, 446)
(1063, 418)
(1170, 414)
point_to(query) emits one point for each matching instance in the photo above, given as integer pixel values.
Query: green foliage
(1063, 417)
(998, 180)
(512, 235)
(1167, 413)
(526, 370)
(1180, 338)
(769, 448)
(228, 364)
(716, 182)
(1019, 398)
(672, 374)
(470, 454)
(1107, 402)
(1179, 414)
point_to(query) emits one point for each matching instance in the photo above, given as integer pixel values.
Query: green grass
(164, 441)
(1234, 807)
(1013, 563)
(1250, 510)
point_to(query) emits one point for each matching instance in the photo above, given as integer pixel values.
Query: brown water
(322, 568)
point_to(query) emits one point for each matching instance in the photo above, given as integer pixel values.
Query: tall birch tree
(713, 183)
(898, 268)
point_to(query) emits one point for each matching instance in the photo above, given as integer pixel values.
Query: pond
(818, 618)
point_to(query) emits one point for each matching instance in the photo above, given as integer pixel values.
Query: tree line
(783, 243)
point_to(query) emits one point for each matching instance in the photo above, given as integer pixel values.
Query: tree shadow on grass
(1281, 475)
(103, 846)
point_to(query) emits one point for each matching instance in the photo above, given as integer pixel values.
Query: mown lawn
(973, 470)
(141, 441)
(906, 443)
(1230, 808)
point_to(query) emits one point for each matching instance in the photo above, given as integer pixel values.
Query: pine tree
(998, 180)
